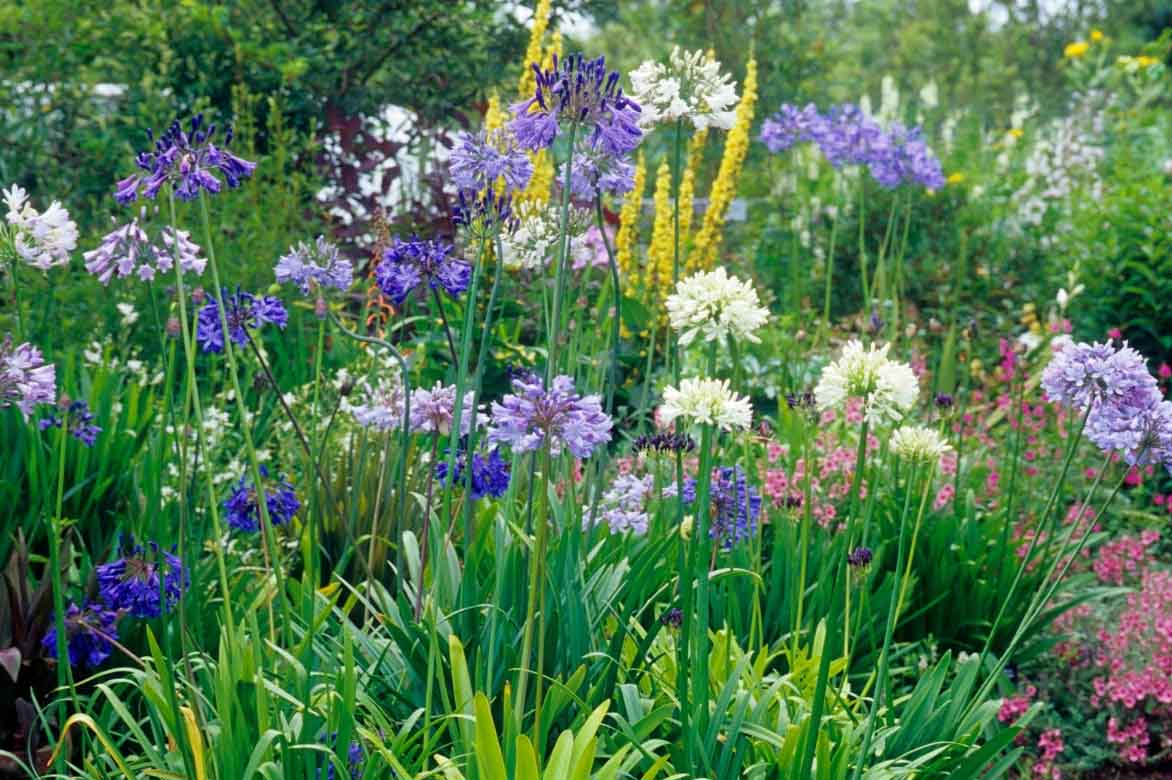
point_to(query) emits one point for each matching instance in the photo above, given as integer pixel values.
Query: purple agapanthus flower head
(734, 505)
(432, 411)
(859, 557)
(411, 265)
(315, 266)
(128, 251)
(187, 159)
(789, 126)
(556, 417)
(489, 475)
(623, 506)
(244, 312)
(490, 159)
(1142, 436)
(144, 582)
(243, 512)
(484, 211)
(595, 171)
(77, 419)
(88, 630)
(26, 380)
(1081, 375)
(579, 91)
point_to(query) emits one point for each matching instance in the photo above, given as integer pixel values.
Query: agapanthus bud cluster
(888, 388)
(713, 306)
(244, 312)
(188, 160)
(1124, 407)
(706, 402)
(40, 239)
(578, 91)
(127, 250)
(76, 418)
(557, 417)
(847, 136)
(489, 477)
(688, 86)
(242, 509)
(315, 266)
(145, 582)
(26, 380)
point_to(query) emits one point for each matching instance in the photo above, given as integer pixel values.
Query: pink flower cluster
(1050, 745)
(1124, 558)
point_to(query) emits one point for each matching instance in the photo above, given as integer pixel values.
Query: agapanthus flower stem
(266, 526)
(824, 328)
(55, 530)
(538, 501)
(439, 305)
(424, 541)
(555, 323)
(17, 303)
(701, 552)
(616, 291)
(862, 241)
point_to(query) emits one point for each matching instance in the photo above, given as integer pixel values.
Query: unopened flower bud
(320, 309)
(173, 327)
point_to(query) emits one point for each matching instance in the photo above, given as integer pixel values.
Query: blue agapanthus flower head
(77, 419)
(596, 171)
(557, 417)
(734, 505)
(243, 512)
(484, 211)
(244, 312)
(576, 90)
(417, 264)
(490, 473)
(489, 159)
(145, 581)
(89, 630)
(315, 266)
(789, 126)
(188, 160)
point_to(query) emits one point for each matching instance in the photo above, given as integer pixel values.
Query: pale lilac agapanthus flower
(432, 411)
(42, 239)
(487, 159)
(624, 505)
(26, 380)
(128, 251)
(187, 159)
(315, 266)
(532, 416)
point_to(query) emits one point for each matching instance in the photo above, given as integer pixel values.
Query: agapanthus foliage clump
(145, 582)
(242, 509)
(421, 266)
(89, 630)
(189, 160)
(26, 380)
(244, 312)
(127, 250)
(578, 92)
(556, 417)
(42, 239)
(689, 86)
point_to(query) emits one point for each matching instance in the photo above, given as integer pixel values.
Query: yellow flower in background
(528, 83)
(661, 251)
(688, 187)
(956, 178)
(628, 234)
(1075, 50)
(1016, 132)
(724, 188)
(1096, 36)
(494, 117)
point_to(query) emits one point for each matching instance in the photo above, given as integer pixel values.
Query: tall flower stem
(424, 541)
(245, 427)
(856, 484)
(677, 180)
(439, 306)
(616, 320)
(825, 325)
(555, 322)
(862, 240)
(17, 303)
(64, 669)
(536, 558)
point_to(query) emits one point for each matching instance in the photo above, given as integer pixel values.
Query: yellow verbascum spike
(528, 83)
(724, 187)
(628, 235)
(657, 276)
(494, 116)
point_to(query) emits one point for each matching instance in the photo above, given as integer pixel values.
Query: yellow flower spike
(494, 117)
(528, 82)
(688, 187)
(724, 187)
(628, 234)
(661, 250)
(1075, 50)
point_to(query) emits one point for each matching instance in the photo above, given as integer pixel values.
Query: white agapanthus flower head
(707, 402)
(688, 86)
(917, 443)
(41, 239)
(888, 388)
(536, 241)
(712, 305)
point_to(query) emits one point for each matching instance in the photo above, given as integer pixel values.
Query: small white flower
(707, 402)
(713, 305)
(915, 442)
(889, 388)
(128, 312)
(41, 239)
(689, 86)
